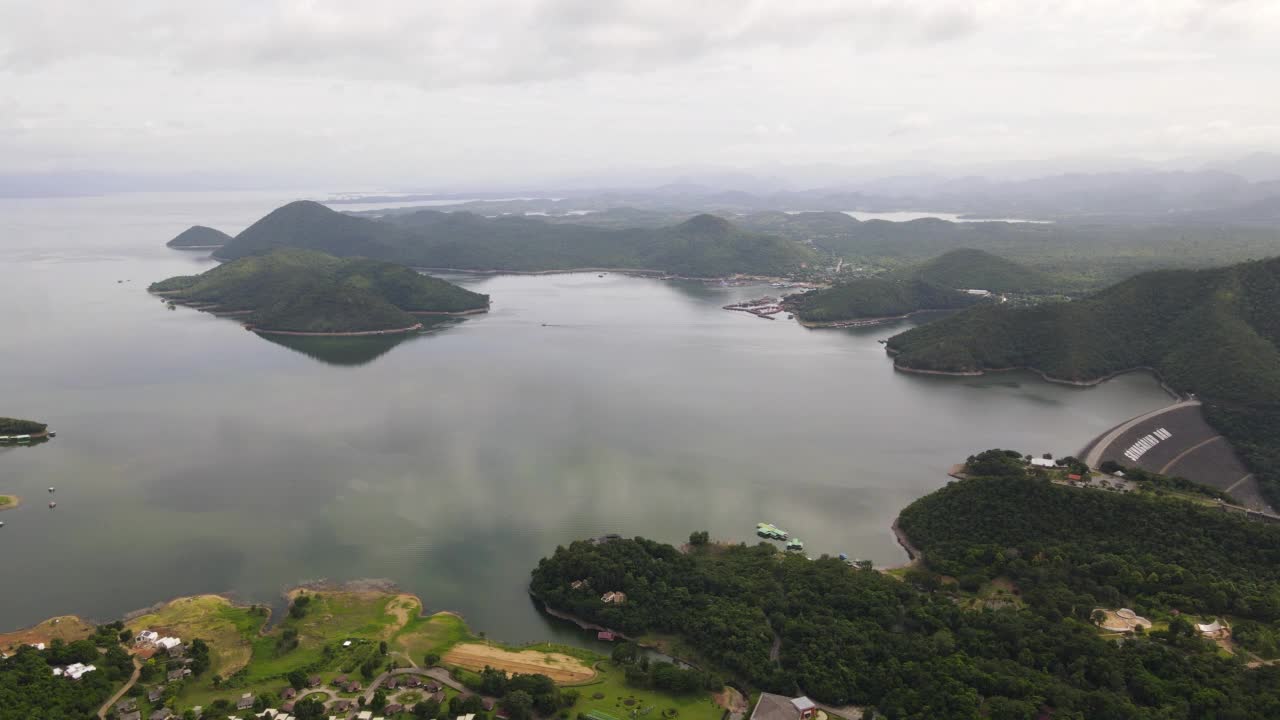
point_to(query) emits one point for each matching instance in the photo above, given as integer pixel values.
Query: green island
(307, 292)
(199, 236)
(336, 651)
(1031, 596)
(700, 246)
(9, 502)
(1214, 333)
(17, 430)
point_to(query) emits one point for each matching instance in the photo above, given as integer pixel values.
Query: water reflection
(354, 351)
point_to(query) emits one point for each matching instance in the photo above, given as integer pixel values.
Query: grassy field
(254, 662)
(615, 695)
(434, 634)
(230, 630)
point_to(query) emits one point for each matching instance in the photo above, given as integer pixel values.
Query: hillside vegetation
(1215, 333)
(15, 426)
(200, 236)
(703, 246)
(306, 291)
(968, 268)
(911, 650)
(867, 298)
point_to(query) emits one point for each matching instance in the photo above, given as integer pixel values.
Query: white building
(1042, 462)
(146, 637)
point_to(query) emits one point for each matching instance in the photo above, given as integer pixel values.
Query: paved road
(1094, 456)
(137, 670)
(438, 674)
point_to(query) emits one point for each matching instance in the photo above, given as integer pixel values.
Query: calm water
(193, 456)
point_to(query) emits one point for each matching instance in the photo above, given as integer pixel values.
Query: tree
(382, 647)
(699, 538)
(432, 659)
(309, 709)
(379, 700)
(518, 704)
(297, 679)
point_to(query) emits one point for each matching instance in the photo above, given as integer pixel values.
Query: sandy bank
(14, 501)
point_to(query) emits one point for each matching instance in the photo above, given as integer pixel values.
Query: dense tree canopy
(912, 649)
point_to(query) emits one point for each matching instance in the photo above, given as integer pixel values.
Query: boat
(766, 530)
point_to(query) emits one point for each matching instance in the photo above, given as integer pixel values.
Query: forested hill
(909, 648)
(968, 268)
(200, 236)
(704, 246)
(306, 291)
(866, 298)
(1215, 333)
(15, 426)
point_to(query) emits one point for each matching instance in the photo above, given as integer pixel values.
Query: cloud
(446, 44)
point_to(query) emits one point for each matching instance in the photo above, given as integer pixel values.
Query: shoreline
(352, 333)
(860, 322)
(1043, 375)
(449, 313)
(15, 502)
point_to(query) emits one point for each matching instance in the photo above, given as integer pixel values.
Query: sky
(441, 94)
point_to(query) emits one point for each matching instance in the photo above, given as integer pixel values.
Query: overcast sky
(435, 93)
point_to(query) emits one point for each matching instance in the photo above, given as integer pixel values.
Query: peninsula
(15, 429)
(304, 292)
(338, 650)
(199, 236)
(871, 301)
(1212, 333)
(1018, 569)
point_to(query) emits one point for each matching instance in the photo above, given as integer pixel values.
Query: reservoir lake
(193, 456)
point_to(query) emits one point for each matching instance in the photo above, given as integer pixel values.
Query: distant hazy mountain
(199, 236)
(703, 246)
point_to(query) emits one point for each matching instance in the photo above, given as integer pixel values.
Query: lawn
(648, 704)
(435, 634)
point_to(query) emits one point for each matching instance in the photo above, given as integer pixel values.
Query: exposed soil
(559, 667)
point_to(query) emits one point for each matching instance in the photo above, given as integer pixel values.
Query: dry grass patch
(561, 668)
(68, 628)
(227, 628)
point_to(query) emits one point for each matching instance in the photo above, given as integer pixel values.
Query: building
(168, 643)
(245, 702)
(1043, 462)
(127, 705)
(781, 707)
(146, 637)
(1214, 629)
(605, 635)
(131, 715)
(156, 693)
(163, 713)
(614, 597)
